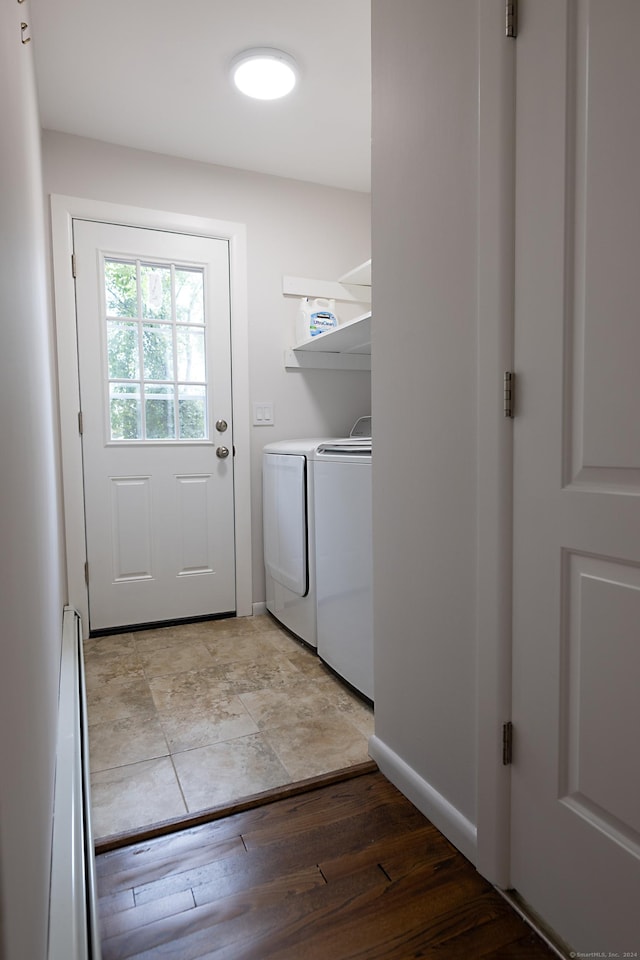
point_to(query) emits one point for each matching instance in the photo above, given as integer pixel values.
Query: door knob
(221, 425)
(222, 452)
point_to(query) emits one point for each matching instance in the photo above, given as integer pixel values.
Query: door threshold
(165, 827)
(158, 624)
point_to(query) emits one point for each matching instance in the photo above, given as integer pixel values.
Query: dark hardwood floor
(348, 870)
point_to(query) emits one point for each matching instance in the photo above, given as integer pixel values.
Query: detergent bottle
(303, 321)
(315, 317)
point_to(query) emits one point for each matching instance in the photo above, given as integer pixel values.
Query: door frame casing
(63, 211)
(494, 464)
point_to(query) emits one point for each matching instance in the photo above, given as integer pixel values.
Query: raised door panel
(604, 244)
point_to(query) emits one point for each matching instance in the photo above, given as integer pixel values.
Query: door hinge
(74, 272)
(86, 572)
(507, 743)
(80, 423)
(509, 393)
(511, 18)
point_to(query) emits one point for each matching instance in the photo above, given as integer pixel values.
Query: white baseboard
(259, 608)
(456, 828)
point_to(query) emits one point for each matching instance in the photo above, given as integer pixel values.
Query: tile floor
(189, 717)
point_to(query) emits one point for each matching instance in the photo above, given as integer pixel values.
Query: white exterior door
(155, 385)
(576, 702)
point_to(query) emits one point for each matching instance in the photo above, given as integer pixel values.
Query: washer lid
(351, 446)
(304, 447)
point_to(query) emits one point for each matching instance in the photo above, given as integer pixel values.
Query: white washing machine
(343, 545)
(289, 530)
(289, 555)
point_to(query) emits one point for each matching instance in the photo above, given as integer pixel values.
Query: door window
(155, 351)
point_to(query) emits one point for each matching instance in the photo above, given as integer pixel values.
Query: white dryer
(289, 543)
(343, 544)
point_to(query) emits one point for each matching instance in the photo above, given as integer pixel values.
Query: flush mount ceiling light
(264, 74)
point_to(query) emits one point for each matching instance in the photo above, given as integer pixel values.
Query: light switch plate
(262, 413)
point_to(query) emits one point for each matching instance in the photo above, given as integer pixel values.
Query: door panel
(154, 360)
(603, 603)
(576, 779)
(193, 498)
(131, 528)
(604, 124)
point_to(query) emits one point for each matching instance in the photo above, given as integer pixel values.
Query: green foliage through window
(155, 351)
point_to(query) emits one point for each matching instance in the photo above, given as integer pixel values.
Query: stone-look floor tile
(149, 640)
(309, 663)
(126, 798)
(114, 643)
(182, 692)
(267, 627)
(100, 668)
(224, 720)
(225, 627)
(359, 713)
(268, 712)
(305, 658)
(119, 699)
(115, 743)
(178, 658)
(313, 747)
(348, 703)
(226, 649)
(271, 671)
(290, 704)
(265, 623)
(228, 771)
(361, 716)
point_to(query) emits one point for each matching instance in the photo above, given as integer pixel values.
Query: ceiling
(153, 74)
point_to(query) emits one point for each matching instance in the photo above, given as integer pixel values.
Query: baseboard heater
(73, 919)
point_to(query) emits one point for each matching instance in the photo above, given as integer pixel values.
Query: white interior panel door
(576, 709)
(155, 383)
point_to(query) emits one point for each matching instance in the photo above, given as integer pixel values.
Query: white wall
(424, 397)
(293, 228)
(31, 587)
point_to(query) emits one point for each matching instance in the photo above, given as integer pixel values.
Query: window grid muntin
(141, 381)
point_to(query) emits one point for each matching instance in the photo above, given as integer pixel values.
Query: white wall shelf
(346, 347)
(361, 275)
(351, 287)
